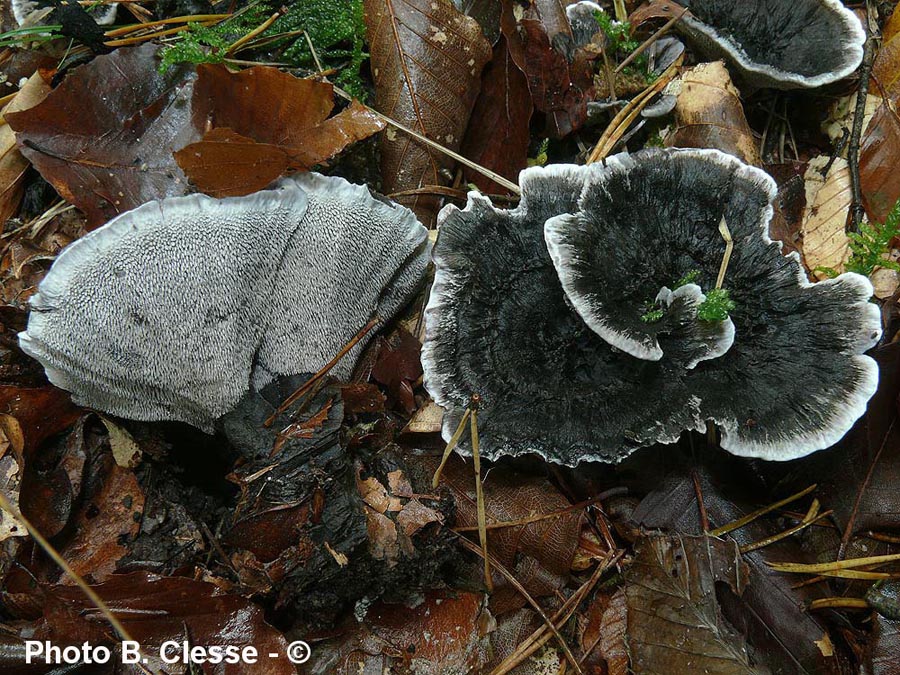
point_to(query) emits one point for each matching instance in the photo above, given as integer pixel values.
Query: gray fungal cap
(173, 310)
(785, 44)
(784, 376)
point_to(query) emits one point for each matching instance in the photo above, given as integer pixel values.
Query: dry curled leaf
(427, 59)
(112, 151)
(828, 198)
(12, 163)
(709, 114)
(675, 624)
(886, 69)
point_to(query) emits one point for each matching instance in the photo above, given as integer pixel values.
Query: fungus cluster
(173, 310)
(778, 43)
(578, 320)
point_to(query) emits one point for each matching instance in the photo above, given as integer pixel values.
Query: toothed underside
(169, 311)
(779, 43)
(499, 322)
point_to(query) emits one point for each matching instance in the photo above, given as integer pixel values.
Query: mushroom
(34, 12)
(775, 43)
(173, 310)
(519, 296)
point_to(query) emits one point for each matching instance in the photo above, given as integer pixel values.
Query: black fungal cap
(499, 322)
(785, 44)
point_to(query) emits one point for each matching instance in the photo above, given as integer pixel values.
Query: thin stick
(704, 518)
(839, 603)
(312, 50)
(323, 371)
(99, 603)
(534, 519)
(506, 574)
(496, 177)
(818, 568)
(649, 41)
(135, 39)
(729, 246)
(479, 496)
(133, 28)
(856, 207)
(811, 517)
(454, 439)
(238, 44)
(750, 517)
(541, 636)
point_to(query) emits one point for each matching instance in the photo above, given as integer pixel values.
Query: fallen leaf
(499, 140)
(539, 554)
(878, 152)
(426, 60)
(226, 164)
(428, 419)
(125, 450)
(828, 199)
(12, 164)
(42, 412)
(709, 114)
(398, 367)
(155, 609)
(446, 633)
(886, 69)
(675, 624)
(112, 151)
(263, 122)
(884, 647)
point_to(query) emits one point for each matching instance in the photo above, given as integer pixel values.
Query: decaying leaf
(539, 553)
(709, 114)
(675, 624)
(828, 198)
(427, 59)
(878, 152)
(155, 609)
(12, 163)
(261, 122)
(886, 69)
(112, 151)
(499, 139)
(446, 633)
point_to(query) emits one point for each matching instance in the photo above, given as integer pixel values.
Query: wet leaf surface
(414, 43)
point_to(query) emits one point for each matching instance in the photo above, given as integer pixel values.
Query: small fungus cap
(779, 43)
(783, 375)
(172, 310)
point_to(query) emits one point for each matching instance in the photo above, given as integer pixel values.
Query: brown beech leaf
(104, 137)
(886, 69)
(709, 114)
(878, 153)
(263, 123)
(154, 609)
(226, 164)
(560, 81)
(446, 633)
(42, 412)
(675, 624)
(261, 103)
(328, 138)
(828, 198)
(427, 59)
(499, 140)
(12, 163)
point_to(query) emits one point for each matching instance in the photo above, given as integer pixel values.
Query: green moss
(869, 246)
(689, 278)
(207, 44)
(653, 315)
(337, 30)
(717, 306)
(621, 44)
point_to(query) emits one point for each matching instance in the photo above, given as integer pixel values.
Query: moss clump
(337, 30)
(717, 306)
(621, 43)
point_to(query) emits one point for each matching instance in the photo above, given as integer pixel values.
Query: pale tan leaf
(426, 62)
(828, 198)
(709, 114)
